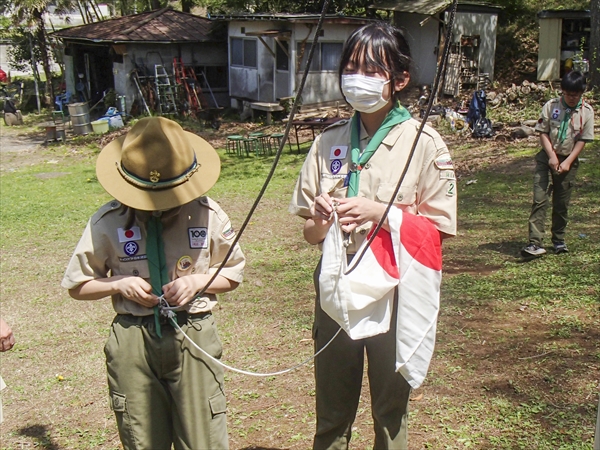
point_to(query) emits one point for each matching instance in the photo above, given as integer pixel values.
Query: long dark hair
(377, 44)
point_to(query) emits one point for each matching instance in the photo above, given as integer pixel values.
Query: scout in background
(354, 167)
(565, 125)
(159, 239)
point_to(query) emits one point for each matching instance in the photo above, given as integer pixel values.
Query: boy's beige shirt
(197, 237)
(429, 188)
(581, 125)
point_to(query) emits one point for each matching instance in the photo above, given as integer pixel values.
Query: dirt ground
(277, 413)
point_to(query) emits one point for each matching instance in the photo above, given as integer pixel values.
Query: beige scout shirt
(197, 237)
(429, 188)
(581, 125)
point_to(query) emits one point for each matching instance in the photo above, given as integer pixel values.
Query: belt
(181, 316)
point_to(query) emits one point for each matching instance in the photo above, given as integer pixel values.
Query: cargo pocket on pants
(218, 424)
(118, 403)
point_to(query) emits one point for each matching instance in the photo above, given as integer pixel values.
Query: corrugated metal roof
(564, 14)
(160, 26)
(425, 7)
(432, 7)
(284, 17)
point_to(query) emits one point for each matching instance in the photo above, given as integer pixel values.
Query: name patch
(133, 258)
(198, 237)
(447, 175)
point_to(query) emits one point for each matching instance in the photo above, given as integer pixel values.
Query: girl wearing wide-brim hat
(160, 237)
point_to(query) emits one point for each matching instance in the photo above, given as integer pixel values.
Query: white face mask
(365, 94)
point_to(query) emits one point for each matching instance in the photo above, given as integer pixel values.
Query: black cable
(356, 260)
(279, 151)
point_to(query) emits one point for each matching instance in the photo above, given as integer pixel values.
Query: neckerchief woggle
(157, 262)
(564, 125)
(397, 115)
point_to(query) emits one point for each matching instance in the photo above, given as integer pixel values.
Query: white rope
(171, 315)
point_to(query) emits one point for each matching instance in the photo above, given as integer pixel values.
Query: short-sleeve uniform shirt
(429, 188)
(581, 125)
(197, 237)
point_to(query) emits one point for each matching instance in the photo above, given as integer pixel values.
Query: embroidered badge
(131, 248)
(335, 167)
(451, 192)
(228, 233)
(338, 152)
(444, 162)
(198, 237)
(184, 263)
(447, 175)
(555, 113)
(133, 234)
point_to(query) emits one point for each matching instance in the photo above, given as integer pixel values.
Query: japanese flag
(409, 258)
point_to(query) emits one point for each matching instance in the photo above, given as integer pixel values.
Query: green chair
(234, 144)
(262, 144)
(250, 145)
(275, 140)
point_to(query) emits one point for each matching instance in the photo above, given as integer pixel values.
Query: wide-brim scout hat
(157, 166)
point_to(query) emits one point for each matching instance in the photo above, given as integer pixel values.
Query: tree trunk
(595, 45)
(42, 41)
(155, 4)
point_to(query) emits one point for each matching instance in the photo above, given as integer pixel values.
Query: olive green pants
(339, 374)
(163, 391)
(549, 186)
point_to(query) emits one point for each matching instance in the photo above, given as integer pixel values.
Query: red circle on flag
(337, 152)
(128, 234)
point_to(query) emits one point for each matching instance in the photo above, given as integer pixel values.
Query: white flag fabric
(409, 258)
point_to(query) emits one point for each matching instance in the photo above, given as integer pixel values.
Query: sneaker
(560, 247)
(532, 250)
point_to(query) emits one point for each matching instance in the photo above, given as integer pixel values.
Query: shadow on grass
(252, 447)
(41, 435)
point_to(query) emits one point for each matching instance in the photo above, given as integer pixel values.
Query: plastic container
(100, 126)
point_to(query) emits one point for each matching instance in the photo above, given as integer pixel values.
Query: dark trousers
(338, 375)
(548, 186)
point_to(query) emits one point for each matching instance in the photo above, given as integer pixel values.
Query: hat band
(157, 185)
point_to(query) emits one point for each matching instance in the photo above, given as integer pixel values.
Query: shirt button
(363, 231)
(368, 166)
(400, 197)
(136, 272)
(114, 204)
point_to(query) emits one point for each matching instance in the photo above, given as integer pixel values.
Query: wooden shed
(104, 55)
(564, 36)
(268, 54)
(473, 39)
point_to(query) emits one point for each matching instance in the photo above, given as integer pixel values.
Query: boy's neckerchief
(157, 262)
(397, 115)
(564, 125)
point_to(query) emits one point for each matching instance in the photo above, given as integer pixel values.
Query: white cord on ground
(171, 315)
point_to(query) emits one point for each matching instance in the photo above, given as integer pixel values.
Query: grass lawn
(517, 362)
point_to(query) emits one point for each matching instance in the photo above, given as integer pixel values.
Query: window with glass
(282, 60)
(244, 52)
(326, 58)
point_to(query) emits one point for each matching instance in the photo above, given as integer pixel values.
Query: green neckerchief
(397, 115)
(157, 264)
(564, 125)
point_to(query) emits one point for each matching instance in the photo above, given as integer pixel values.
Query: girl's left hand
(564, 166)
(355, 211)
(181, 291)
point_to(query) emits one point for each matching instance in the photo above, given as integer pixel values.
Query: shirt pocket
(334, 187)
(406, 196)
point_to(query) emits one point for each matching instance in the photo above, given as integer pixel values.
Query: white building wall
(484, 25)
(423, 42)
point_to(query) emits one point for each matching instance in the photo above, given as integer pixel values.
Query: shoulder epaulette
(337, 124)
(105, 209)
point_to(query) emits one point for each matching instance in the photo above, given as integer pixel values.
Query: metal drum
(80, 118)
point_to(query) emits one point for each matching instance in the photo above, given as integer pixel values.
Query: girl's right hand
(136, 289)
(322, 208)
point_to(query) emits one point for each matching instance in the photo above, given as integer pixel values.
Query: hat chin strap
(157, 185)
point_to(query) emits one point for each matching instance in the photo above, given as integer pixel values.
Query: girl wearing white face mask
(355, 165)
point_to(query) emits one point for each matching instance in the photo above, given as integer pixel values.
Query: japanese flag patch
(338, 152)
(133, 234)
